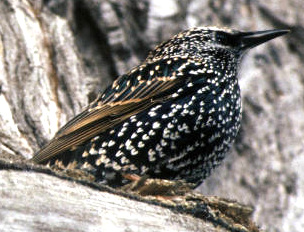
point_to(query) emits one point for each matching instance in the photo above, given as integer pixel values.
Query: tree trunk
(56, 55)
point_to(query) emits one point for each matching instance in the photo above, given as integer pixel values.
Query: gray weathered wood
(31, 202)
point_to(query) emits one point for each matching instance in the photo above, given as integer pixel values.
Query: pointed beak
(253, 39)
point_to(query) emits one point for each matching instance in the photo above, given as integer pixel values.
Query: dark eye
(226, 39)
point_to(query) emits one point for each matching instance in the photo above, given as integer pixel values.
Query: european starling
(173, 117)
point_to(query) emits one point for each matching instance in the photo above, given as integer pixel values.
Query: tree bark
(67, 206)
(56, 55)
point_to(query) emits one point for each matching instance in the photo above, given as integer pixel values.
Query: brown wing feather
(94, 121)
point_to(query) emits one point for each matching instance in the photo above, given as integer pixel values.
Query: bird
(173, 117)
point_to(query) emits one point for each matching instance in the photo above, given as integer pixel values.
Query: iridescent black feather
(173, 117)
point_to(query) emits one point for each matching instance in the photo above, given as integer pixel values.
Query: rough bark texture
(37, 207)
(56, 55)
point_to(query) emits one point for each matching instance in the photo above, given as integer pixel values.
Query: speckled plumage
(173, 117)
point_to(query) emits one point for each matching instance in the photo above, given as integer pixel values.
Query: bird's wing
(111, 109)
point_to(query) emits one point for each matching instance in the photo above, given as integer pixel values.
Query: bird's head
(204, 42)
